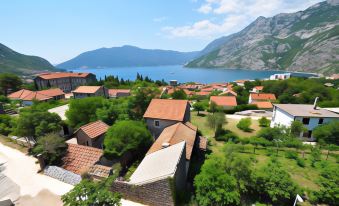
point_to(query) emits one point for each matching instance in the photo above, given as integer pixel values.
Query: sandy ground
(21, 182)
(34, 189)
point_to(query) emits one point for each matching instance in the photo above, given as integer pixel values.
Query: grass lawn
(200, 122)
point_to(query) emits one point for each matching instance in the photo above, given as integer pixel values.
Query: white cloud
(233, 15)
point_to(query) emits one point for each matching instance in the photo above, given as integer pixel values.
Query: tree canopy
(9, 82)
(179, 94)
(126, 136)
(329, 133)
(83, 111)
(52, 147)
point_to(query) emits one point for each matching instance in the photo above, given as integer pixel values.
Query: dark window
(321, 120)
(306, 121)
(156, 123)
(309, 134)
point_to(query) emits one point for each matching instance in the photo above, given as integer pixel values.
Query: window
(156, 123)
(321, 120)
(306, 121)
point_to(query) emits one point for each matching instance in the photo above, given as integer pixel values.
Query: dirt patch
(41, 198)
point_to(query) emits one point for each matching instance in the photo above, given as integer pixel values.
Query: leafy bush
(52, 147)
(329, 132)
(291, 154)
(242, 107)
(7, 124)
(126, 136)
(244, 124)
(227, 135)
(301, 162)
(179, 94)
(272, 133)
(264, 122)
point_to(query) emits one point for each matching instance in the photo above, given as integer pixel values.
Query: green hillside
(14, 62)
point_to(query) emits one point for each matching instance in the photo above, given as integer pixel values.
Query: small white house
(280, 76)
(310, 115)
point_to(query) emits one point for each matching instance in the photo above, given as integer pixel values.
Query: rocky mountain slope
(14, 62)
(126, 56)
(302, 41)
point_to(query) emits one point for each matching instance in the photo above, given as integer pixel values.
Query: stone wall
(157, 193)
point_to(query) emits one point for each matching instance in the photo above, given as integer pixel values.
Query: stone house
(92, 134)
(162, 113)
(116, 93)
(90, 91)
(66, 81)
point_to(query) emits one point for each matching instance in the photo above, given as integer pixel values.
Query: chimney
(165, 145)
(315, 103)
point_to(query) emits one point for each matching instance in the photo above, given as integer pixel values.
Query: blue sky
(59, 30)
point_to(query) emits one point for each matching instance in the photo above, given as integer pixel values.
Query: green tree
(52, 147)
(83, 111)
(179, 94)
(297, 127)
(125, 137)
(9, 82)
(88, 193)
(329, 190)
(264, 122)
(113, 110)
(199, 106)
(275, 184)
(7, 124)
(143, 93)
(245, 124)
(214, 186)
(34, 123)
(329, 132)
(272, 133)
(215, 121)
(214, 107)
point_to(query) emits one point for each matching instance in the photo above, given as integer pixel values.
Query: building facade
(66, 81)
(310, 116)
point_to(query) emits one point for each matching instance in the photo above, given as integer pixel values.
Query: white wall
(281, 118)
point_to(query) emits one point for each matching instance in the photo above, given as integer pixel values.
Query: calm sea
(182, 74)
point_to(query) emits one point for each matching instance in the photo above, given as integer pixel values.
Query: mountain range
(14, 62)
(127, 56)
(303, 41)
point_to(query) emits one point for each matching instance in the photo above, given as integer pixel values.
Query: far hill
(303, 41)
(127, 56)
(14, 62)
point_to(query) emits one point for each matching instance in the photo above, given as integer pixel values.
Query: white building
(309, 115)
(280, 76)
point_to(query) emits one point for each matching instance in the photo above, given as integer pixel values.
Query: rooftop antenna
(315, 103)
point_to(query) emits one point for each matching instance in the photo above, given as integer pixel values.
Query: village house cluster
(176, 140)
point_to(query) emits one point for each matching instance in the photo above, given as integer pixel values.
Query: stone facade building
(66, 81)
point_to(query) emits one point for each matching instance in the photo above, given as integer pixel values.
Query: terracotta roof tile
(87, 89)
(263, 105)
(37, 95)
(259, 87)
(262, 96)
(58, 75)
(174, 134)
(19, 94)
(100, 170)
(229, 92)
(114, 92)
(80, 158)
(224, 100)
(52, 92)
(202, 93)
(203, 143)
(169, 109)
(94, 129)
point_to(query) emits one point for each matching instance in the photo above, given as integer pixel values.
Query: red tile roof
(224, 100)
(262, 96)
(259, 88)
(203, 93)
(19, 94)
(80, 158)
(229, 92)
(94, 129)
(174, 134)
(203, 143)
(36, 95)
(87, 89)
(263, 105)
(114, 92)
(170, 109)
(58, 75)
